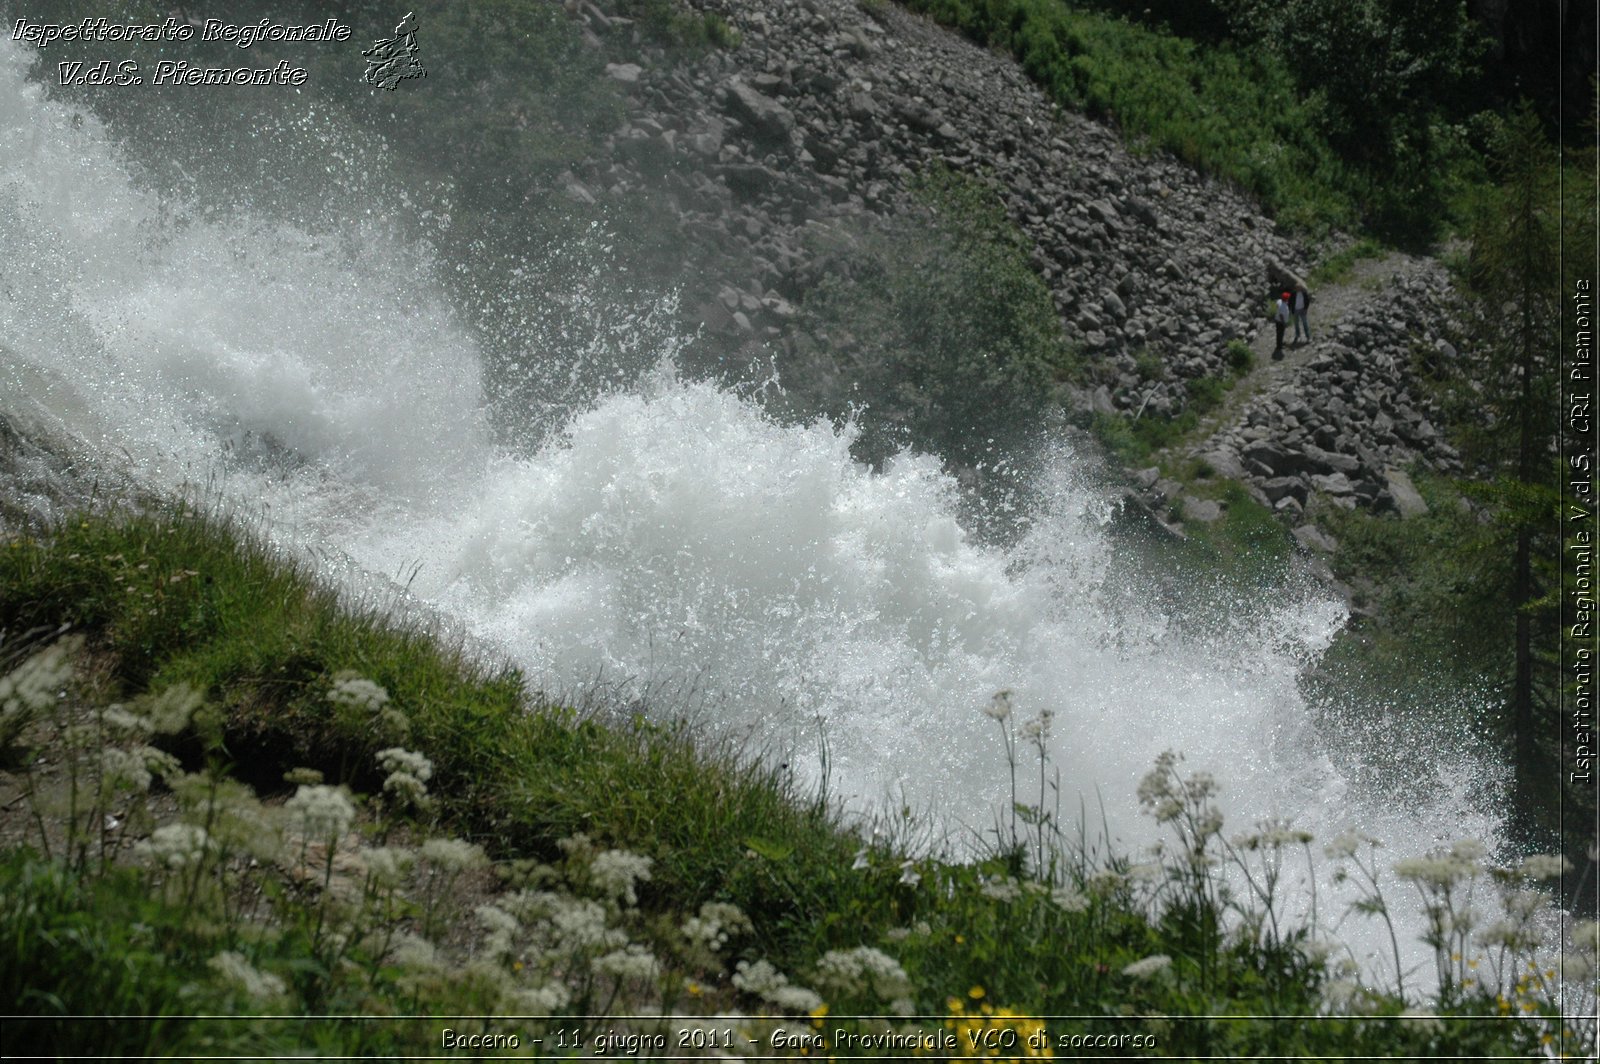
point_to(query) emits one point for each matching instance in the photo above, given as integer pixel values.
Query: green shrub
(1241, 360)
(941, 328)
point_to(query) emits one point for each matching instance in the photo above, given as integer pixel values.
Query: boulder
(767, 118)
(1202, 510)
(1313, 538)
(1406, 498)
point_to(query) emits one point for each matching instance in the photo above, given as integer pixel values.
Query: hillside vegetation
(1335, 113)
(227, 792)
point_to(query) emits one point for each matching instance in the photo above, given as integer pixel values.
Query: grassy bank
(230, 792)
(1327, 133)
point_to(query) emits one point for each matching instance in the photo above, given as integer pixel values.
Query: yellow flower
(975, 993)
(694, 989)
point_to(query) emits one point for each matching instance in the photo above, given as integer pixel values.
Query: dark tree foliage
(1513, 283)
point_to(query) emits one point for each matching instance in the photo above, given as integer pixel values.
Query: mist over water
(667, 532)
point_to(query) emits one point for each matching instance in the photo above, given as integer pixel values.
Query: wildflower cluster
(865, 972)
(33, 686)
(760, 979)
(363, 707)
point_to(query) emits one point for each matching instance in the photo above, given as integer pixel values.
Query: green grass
(1337, 268)
(178, 596)
(182, 597)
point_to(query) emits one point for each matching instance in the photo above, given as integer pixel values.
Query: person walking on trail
(1280, 320)
(1302, 303)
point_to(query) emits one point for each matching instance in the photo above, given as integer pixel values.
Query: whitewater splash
(670, 533)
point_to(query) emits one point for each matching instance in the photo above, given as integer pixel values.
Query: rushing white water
(670, 533)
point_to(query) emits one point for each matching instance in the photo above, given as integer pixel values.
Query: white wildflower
(909, 875)
(1440, 870)
(999, 706)
(414, 953)
(863, 970)
(577, 847)
(240, 974)
(238, 821)
(1069, 899)
(496, 920)
(1199, 786)
(1037, 730)
(631, 962)
(123, 770)
(176, 846)
(762, 980)
(580, 924)
(794, 999)
(861, 862)
(1545, 866)
(320, 812)
(758, 977)
(614, 873)
(1578, 969)
(357, 692)
(453, 855)
(716, 922)
(1346, 843)
(171, 710)
(1148, 966)
(1586, 936)
(1004, 889)
(1207, 824)
(388, 866)
(1272, 835)
(123, 724)
(541, 1001)
(1511, 934)
(409, 773)
(500, 930)
(35, 684)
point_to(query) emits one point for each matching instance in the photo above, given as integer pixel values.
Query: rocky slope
(826, 109)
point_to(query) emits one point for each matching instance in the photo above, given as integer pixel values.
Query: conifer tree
(1514, 303)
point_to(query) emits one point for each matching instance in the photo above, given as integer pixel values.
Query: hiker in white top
(1280, 320)
(1302, 303)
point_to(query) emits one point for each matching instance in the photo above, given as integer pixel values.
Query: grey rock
(1338, 463)
(1406, 498)
(1279, 488)
(1314, 539)
(1202, 510)
(1332, 484)
(768, 118)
